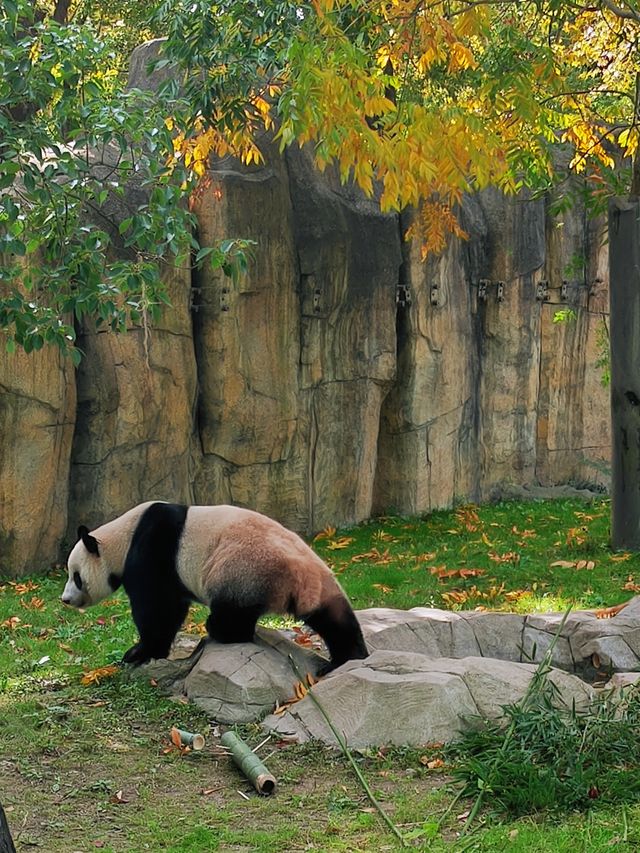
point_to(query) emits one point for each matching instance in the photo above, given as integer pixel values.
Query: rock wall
(340, 377)
(37, 411)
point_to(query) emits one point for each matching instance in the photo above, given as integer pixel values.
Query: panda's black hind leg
(228, 623)
(339, 628)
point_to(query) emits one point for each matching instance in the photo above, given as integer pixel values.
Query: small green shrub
(545, 758)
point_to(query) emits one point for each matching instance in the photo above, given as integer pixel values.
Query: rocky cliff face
(37, 412)
(340, 377)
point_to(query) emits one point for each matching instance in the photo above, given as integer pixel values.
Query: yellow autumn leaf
(610, 612)
(35, 603)
(23, 588)
(337, 544)
(327, 533)
(95, 676)
(461, 57)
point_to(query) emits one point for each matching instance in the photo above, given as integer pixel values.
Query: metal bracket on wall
(483, 289)
(224, 299)
(403, 296)
(317, 294)
(542, 291)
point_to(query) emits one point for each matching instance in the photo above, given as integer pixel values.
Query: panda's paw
(325, 669)
(136, 655)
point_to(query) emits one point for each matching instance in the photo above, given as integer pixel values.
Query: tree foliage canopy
(427, 99)
(418, 101)
(76, 148)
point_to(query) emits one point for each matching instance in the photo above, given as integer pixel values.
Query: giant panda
(241, 564)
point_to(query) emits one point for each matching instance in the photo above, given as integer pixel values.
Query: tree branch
(629, 14)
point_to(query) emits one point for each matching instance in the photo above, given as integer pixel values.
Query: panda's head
(89, 578)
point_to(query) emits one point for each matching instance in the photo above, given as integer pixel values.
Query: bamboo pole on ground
(249, 763)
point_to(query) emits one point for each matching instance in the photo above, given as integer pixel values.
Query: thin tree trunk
(624, 284)
(6, 842)
(61, 11)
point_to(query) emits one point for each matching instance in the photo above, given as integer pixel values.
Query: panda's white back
(221, 539)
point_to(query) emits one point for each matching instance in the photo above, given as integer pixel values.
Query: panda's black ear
(90, 542)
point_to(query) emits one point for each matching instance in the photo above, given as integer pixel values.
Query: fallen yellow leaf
(610, 612)
(343, 542)
(22, 588)
(34, 604)
(95, 676)
(327, 533)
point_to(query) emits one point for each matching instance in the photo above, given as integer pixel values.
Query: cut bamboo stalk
(249, 763)
(194, 740)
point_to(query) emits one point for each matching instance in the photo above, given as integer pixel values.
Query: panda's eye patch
(77, 580)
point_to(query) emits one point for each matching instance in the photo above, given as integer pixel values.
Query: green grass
(67, 749)
(513, 544)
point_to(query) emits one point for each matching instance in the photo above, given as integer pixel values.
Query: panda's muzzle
(73, 596)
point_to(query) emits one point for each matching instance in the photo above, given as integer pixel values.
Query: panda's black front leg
(158, 620)
(136, 655)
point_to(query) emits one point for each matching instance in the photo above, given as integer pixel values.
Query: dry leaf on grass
(443, 573)
(95, 676)
(327, 533)
(337, 544)
(469, 518)
(383, 536)
(461, 596)
(431, 763)
(34, 604)
(577, 535)
(508, 557)
(425, 558)
(118, 798)
(526, 534)
(13, 622)
(23, 588)
(380, 558)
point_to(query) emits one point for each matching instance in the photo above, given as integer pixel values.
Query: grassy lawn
(90, 766)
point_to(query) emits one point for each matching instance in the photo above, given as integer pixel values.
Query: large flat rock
(406, 698)
(431, 675)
